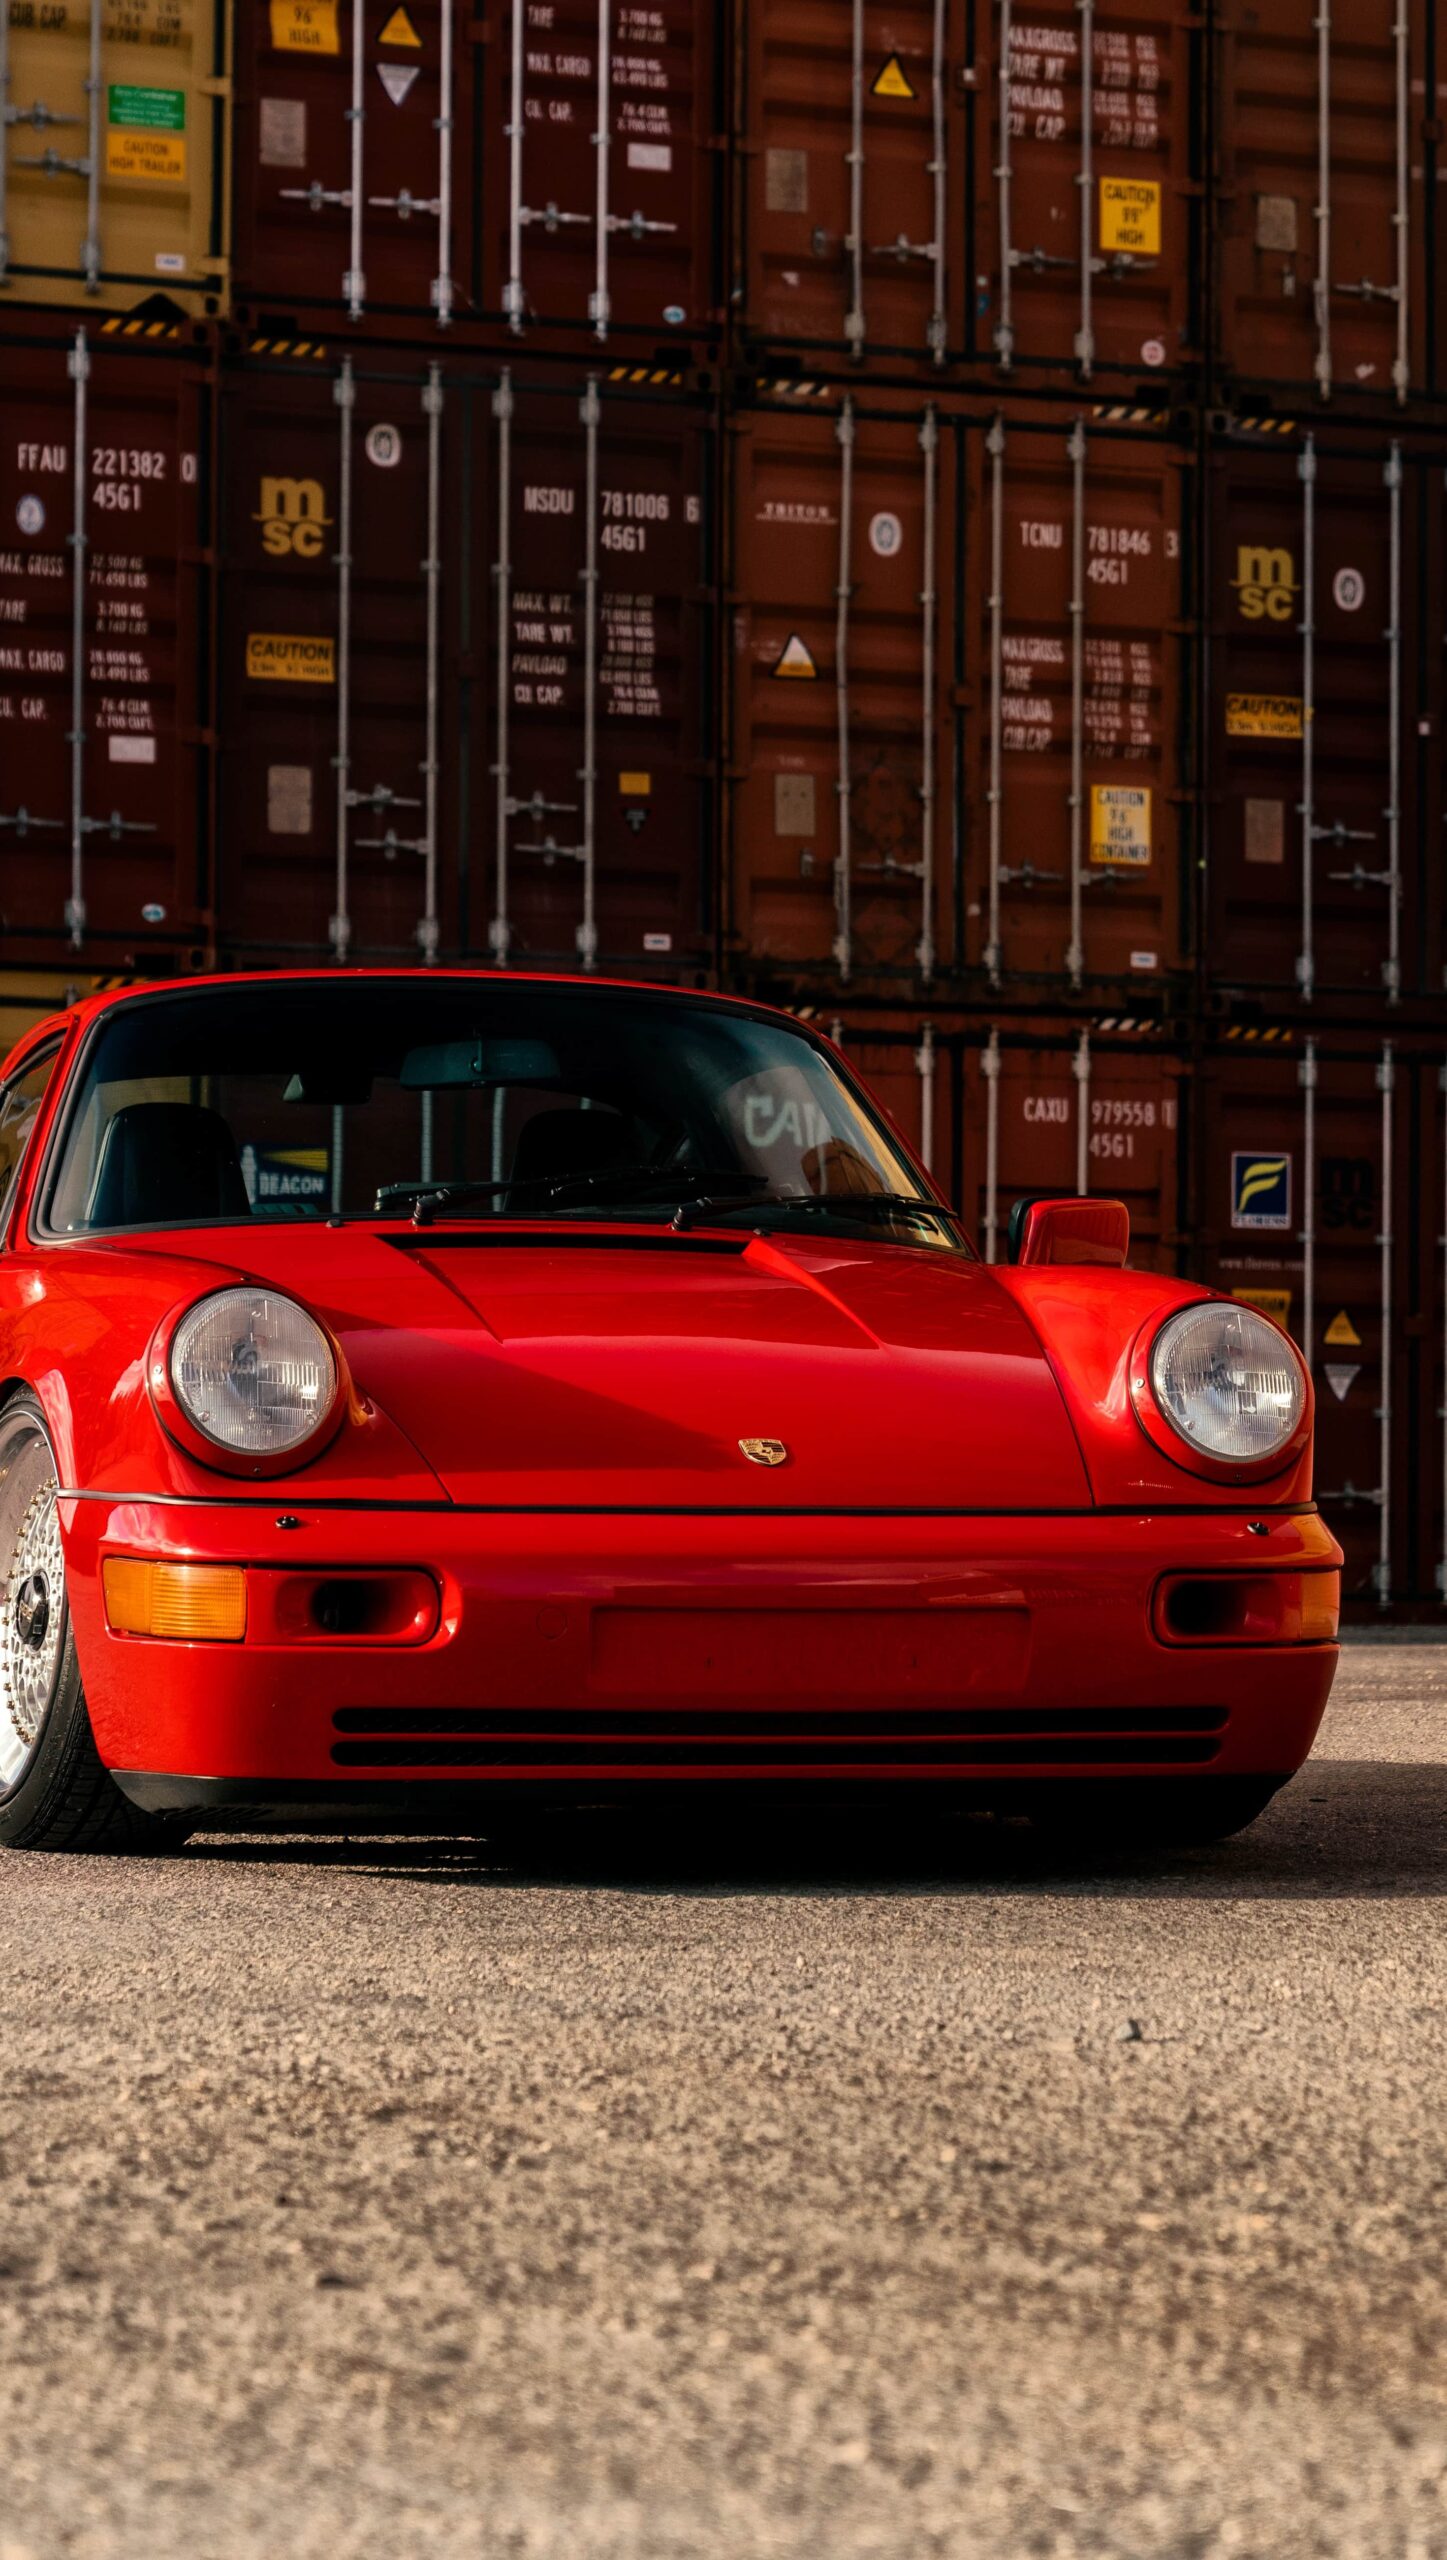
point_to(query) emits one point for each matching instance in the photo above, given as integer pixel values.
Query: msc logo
(1265, 582)
(293, 517)
(1260, 1191)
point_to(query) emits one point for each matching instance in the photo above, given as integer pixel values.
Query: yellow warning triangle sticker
(1342, 1329)
(794, 660)
(400, 30)
(893, 81)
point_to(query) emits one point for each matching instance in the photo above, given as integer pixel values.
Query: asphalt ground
(664, 2195)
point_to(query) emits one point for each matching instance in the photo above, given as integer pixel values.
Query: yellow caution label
(635, 786)
(159, 158)
(1130, 216)
(1263, 715)
(282, 657)
(1342, 1330)
(893, 81)
(305, 26)
(1120, 826)
(400, 30)
(1275, 1303)
(794, 661)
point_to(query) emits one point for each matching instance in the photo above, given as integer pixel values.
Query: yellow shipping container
(113, 152)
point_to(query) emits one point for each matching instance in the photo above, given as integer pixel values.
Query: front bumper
(601, 1648)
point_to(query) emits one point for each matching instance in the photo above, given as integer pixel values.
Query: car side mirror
(1069, 1231)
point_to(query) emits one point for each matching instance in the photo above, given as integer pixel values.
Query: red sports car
(427, 1391)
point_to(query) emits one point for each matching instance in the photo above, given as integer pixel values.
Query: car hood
(625, 1370)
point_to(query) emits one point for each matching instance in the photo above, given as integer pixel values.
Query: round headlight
(1228, 1382)
(253, 1372)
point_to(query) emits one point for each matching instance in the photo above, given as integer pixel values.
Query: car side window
(20, 1103)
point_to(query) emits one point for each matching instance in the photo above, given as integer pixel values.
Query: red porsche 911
(428, 1392)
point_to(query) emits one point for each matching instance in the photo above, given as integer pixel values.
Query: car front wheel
(55, 1791)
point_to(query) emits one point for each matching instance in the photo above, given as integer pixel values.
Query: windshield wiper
(838, 1204)
(427, 1198)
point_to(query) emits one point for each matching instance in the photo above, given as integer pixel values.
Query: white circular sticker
(1153, 352)
(384, 446)
(1349, 589)
(886, 533)
(153, 914)
(30, 515)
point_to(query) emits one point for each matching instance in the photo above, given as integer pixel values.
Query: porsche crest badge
(765, 1453)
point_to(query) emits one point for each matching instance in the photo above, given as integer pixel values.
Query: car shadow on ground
(1344, 1830)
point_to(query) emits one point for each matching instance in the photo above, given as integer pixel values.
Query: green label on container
(146, 138)
(148, 110)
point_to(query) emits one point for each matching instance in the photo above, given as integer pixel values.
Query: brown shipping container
(549, 173)
(933, 185)
(1328, 274)
(396, 777)
(113, 152)
(104, 666)
(1084, 1112)
(1324, 779)
(1319, 1182)
(1001, 1109)
(841, 740)
(961, 656)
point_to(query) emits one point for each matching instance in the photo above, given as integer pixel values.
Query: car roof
(87, 1008)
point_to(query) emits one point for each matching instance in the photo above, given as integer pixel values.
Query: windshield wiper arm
(428, 1197)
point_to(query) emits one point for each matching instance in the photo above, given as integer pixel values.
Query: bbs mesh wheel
(55, 1792)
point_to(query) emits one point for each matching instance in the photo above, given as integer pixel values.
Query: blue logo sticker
(1260, 1191)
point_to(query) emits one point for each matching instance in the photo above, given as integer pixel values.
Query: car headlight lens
(1228, 1382)
(253, 1372)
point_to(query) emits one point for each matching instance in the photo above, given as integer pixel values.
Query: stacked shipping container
(933, 514)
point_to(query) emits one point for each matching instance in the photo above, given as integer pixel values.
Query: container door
(1324, 260)
(335, 584)
(591, 774)
(838, 535)
(1301, 1182)
(852, 197)
(1321, 711)
(1077, 797)
(350, 188)
(1089, 234)
(102, 654)
(1071, 1117)
(113, 152)
(600, 186)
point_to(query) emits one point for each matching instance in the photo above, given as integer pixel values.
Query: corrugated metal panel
(1091, 236)
(540, 175)
(353, 145)
(1077, 659)
(841, 742)
(113, 149)
(602, 218)
(104, 656)
(961, 666)
(1328, 274)
(396, 777)
(1324, 772)
(935, 184)
(1306, 1175)
(1047, 1110)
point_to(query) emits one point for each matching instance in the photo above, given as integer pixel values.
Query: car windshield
(438, 1099)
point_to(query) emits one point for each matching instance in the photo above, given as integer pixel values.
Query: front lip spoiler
(473, 1806)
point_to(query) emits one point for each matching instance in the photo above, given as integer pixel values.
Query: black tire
(1145, 1814)
(55, 1792)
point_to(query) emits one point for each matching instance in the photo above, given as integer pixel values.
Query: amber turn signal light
(195, 1602)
